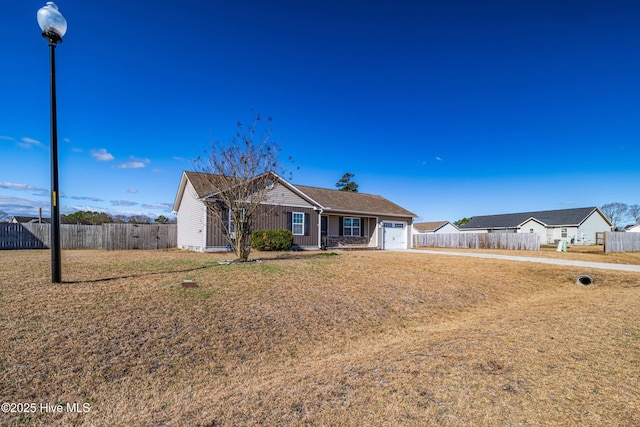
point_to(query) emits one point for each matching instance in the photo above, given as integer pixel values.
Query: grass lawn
(354, 338)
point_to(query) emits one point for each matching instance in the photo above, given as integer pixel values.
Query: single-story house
(439, 227)
(318, 217)
(577, 226)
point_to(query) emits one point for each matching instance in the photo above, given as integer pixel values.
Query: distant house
(434, 227)
(634, 228)
(318, 217)
(41, 220)
(29, 220)
(577, 226)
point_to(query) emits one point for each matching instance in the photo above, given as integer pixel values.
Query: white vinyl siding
(533, 226)
(586, 232)
(191, 220)
(281, 195)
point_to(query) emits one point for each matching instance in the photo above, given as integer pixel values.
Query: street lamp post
(53, 26)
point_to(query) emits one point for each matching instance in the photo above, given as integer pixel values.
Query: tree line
(99, 218)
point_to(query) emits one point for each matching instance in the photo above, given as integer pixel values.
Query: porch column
(320, 229)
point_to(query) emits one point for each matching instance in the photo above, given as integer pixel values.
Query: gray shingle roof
(555, 217)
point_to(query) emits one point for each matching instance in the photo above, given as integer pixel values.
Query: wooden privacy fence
(106, 236)
(17, 236)
(139, 236)
(620, 241)
(514, 241)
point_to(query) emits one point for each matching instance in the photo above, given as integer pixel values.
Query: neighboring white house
(633, 228)
(439, 227)
(577, 226)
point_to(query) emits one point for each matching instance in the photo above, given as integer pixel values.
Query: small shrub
(272, 240)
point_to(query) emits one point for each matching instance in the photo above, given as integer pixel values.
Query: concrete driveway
(566, 262)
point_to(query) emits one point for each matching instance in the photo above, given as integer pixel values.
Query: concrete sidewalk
(565, 262)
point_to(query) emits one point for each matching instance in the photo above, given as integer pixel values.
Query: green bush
(272, 240)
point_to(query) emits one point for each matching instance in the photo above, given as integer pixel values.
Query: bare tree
(634, 211)
(616, 212)
(4, 217)
(139, 219)
(241, 171)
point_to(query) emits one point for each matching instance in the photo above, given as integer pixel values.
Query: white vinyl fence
(107, 236)
(514, 241)
(619, 241)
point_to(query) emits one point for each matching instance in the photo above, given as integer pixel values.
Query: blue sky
(450, 109)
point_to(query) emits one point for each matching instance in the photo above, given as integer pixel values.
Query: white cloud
(6, 138)
(134, 163)
(23, 187)
(123, 203)
(438, 158)
(163, 206)
(92, 199)
(132, 190)
(102, 155)
(19, 206)
(131, 165)
(27, 142)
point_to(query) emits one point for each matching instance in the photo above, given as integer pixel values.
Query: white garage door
(394, 235)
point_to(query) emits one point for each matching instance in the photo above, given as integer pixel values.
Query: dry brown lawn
(357, 338)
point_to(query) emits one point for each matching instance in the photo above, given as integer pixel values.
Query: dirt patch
(361, 338)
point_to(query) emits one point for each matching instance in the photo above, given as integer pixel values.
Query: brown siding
(215, 237)
(275, 218)
(271, 218)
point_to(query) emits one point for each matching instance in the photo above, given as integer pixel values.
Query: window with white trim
(297, 223)
(232, 225)
(563, 233)
(351, 226)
